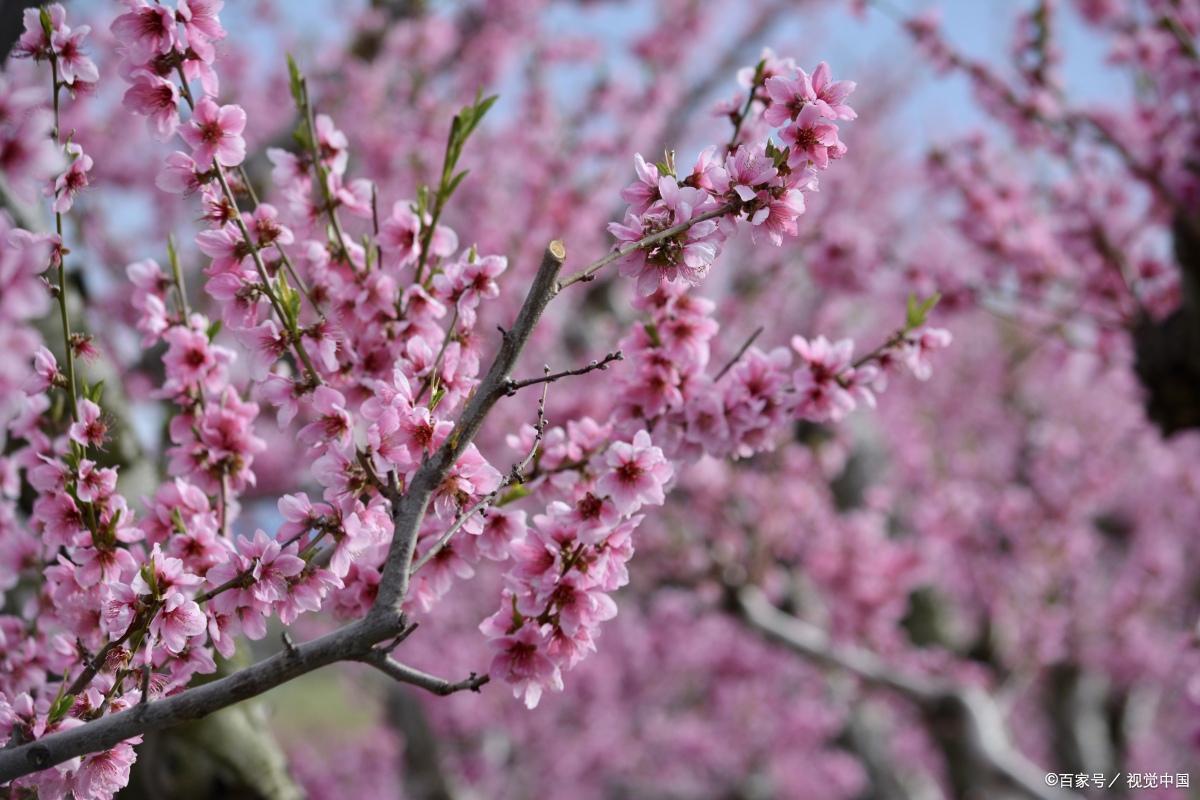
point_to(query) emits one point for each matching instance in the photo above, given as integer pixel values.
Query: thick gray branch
(409, 510)
(350, 642)
(977, 717)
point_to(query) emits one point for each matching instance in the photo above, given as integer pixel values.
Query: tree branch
(738, 355)
(588, 272)
(353, 641)
(551, 377)
(409, 510)
(515, 475)
(389, 666)
(979, 720)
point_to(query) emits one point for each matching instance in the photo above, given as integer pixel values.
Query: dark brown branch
(351, 642)
(389, 666)
(551, 377)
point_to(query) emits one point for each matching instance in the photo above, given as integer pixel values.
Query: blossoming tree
(321, 417)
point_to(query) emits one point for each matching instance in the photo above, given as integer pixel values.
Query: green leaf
(92, 391)
(214, 328)
(455, 181)
(172, 253)
(295, 81)
(47, 23)
(289, 297)
(760, 70)
(303, 141)
(917, 311)
(652, 332)
(439, 392)
(60, 707)
(515, 493)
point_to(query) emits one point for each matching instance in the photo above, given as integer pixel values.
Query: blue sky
(940, 106)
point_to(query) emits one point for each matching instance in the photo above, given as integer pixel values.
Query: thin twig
(515, 475)
(738, 355)
(389, 666)
(551, 377)
(588, 272)
(437, 361)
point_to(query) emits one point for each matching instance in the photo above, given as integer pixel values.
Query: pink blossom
(333, 422)
(103, 565)
(179, 175)
(332, 144)
(637, 474)
(811, 138)
(215, 134)
(274, 565)
(201, 25)
(192, 361)
(45, 371)
(146, 30)
(831, 95)
(521, 662)
(642, 193)
(178, 620)
(94, 483)
(820, 380)
(102, 775)
(500, 529)
(156, 98)
(90, 429)
(686, 255)
(918, 345)
(73, 66)
(789, 95)
(71, 182)
(33, 42)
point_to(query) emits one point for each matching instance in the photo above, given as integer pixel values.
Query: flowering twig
(515, 475)
(319, 172)
(587, 273)
(437, 361)
(61, 257)
(348, 642)
(410, 510)
(255, 254)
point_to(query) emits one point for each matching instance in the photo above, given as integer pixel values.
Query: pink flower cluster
(758, 183)
(572, 557)
(742, 408)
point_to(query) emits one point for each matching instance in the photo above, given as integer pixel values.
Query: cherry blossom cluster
(760, 183)
(567, 562)
(740, 409)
